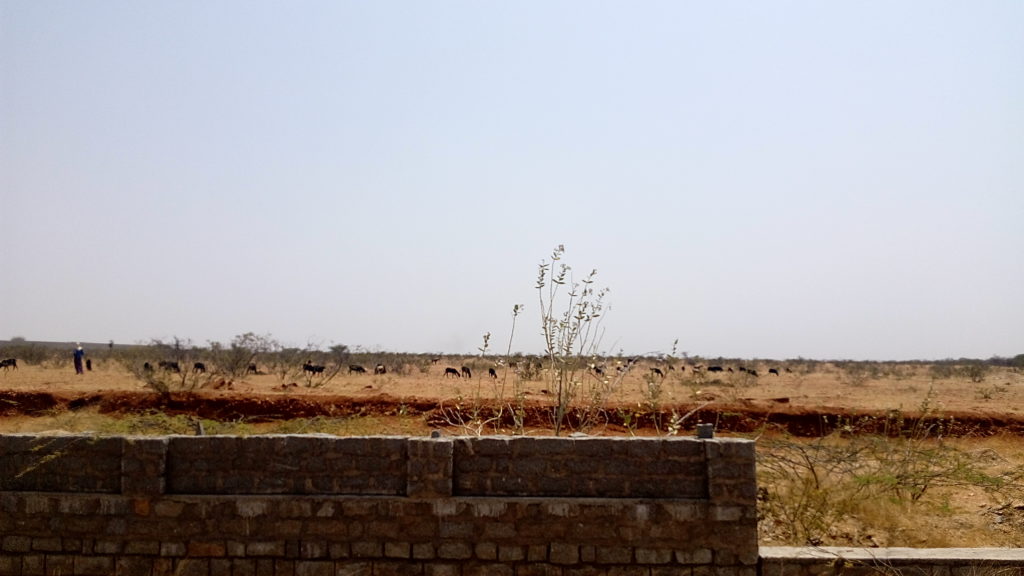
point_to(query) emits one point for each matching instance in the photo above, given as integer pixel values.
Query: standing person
(79, 354)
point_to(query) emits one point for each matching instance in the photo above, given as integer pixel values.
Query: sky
(825, 180)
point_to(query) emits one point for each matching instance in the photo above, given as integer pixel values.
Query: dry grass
(944, 516)
(827, 386)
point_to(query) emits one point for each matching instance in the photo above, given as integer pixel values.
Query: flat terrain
(980, 415)
(809, 399)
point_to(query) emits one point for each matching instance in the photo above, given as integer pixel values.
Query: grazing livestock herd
(529, 368)
(697, 369)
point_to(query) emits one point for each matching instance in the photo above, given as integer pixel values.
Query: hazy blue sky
(756, 179)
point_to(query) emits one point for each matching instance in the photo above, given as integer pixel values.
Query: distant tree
(152, 364)
(243, 350)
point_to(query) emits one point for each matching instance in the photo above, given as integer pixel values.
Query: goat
(380, 369)
(9, 363)
(356, 368)
(199, 368)
(714, 368)
(448, 372)
(170, 366)
(773, 371)
(492, 373)
(251, 369)
(657, 372)
(466, 372)
(312, 368)
(147, 367)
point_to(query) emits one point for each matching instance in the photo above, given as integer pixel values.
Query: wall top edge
(896, 555)
(723, 440)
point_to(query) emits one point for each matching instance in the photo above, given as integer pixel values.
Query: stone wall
(323, 505)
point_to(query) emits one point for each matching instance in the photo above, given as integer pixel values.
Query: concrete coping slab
(806, 554)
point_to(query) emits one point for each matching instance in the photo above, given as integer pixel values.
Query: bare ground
(801, 403)
(808, 401)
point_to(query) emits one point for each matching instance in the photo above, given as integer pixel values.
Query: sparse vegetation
(830, 488)
(868, 479)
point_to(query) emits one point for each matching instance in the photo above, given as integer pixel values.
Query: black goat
(170, 366)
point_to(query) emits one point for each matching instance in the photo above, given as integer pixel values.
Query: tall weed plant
(571, 313)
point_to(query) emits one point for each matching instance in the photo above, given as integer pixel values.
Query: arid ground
(980, 413)
(809, 399)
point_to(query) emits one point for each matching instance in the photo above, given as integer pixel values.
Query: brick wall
(322, 505)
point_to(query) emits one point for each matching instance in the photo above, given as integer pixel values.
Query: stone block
(537, 553)
(244, 567)
(60, 564)
(354, 569)
(266, 567)
(397, 550)
(455, 551)
(10, 565)
(487, 551)
(638, 571)
(220, 567)
(613, 555)
(561, 553)
(144, 466)
(397, 569)
(487, 569)
(96, 566)
(206, 549)
(314, 568)
(105, 546)
(313, 549)
(694, 556)
(163, 567)
(173, 549)
(430, 466)
(423, 551)
(275, 548)
(654, 555)
(367, 550)
(511, 553)
(584, 571)
(538, 570)
(33, 565)
(671, 571)
(16, 544)
(434, 569)
(193, 567)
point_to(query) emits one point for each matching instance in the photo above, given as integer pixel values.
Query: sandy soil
(810, 400)
(807, 400)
